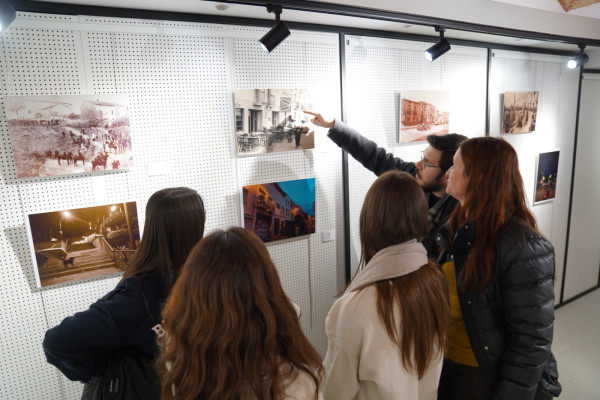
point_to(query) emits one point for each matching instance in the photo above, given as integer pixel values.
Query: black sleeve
(365, 151)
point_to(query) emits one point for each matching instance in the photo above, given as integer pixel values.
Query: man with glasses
(429, 171)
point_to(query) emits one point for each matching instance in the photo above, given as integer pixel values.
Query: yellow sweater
(459, 347)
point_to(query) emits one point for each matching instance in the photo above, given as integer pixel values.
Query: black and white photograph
(280, 210)
(63, 135)
(82, 243)
(272, 120)
(423, 113)
(546, 175)
(520, 112)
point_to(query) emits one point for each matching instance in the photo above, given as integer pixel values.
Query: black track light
(7, 14)
(277, 34)
(440, 47)
(579, 59)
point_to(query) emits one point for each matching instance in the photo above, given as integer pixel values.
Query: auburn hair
(230, 329)
(395, 211)
(494, 194)
(174, 223)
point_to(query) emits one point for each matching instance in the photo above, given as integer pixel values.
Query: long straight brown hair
(494, 194)
(174, 224)
(395, 211)
(230, 329)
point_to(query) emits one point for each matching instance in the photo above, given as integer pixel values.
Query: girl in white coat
(388, 330)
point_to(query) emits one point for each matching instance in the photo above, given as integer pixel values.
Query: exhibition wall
(180, 79)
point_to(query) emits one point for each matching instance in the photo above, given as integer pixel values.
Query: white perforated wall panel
(555, 130)
(583, 257)
(179, 79)
(378, 70)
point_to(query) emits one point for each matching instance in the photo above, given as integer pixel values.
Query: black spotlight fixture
(277, 34)
(7, 14)
(440, 47)
(578, 60)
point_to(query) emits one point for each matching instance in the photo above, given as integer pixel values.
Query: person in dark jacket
(429, 171)
(129, 315)
(501, 276)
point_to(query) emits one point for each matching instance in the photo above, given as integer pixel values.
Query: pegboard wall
(555, 130)
(378, 70)
(179, 79)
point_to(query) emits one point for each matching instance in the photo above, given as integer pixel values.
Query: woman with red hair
(501, 276)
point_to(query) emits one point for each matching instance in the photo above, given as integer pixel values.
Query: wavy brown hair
(174, 224)
(230, 329)
(494, 194)
(395, 211)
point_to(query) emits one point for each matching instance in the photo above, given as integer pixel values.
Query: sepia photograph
(520, 112)
(280, 210)
(62, 135)
(423, 113)
(545, 183)
(82, 243)
(272, 120)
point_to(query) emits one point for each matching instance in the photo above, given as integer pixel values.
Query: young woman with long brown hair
(128, 317)
(387, 332)
(501, 275)
(230, 330)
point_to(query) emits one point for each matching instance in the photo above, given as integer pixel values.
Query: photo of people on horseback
(272, 120)
(63, 135)
(82, 243)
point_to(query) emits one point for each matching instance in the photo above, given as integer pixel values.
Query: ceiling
(253, 11)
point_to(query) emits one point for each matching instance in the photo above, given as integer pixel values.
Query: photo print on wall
(82, 243)
(63, 135)
(546, 175)
(280, 210)
(272, 120)
(520, 112)
(423, 113)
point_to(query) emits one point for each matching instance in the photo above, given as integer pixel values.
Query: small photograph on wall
(71, 245)
(545, 184)
(423, 113)
(63, 135)
(520, 112)
(280, 210)
(272, 120)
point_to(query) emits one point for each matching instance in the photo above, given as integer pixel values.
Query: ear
(445, 178)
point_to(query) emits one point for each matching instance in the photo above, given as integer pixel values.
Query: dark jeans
(461, 382)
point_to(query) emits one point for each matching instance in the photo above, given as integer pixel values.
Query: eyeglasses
(426, 162)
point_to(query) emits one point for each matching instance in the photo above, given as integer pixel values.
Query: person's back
(386, 333)
(127, 317)
(230, 330)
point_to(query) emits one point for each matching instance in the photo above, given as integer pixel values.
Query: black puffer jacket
(510, 323)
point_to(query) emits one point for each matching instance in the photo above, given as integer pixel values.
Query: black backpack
(129, 375)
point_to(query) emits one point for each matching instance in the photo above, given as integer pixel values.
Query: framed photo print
(519, 112)
(546, 175)
(280, 210)
(423, 113)
(75, 244)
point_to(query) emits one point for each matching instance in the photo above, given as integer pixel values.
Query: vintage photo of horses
(520, 112)
(280, 210)
(423, 113)
(546, 175)
(63, 135)
(71, 245)
(272, 120)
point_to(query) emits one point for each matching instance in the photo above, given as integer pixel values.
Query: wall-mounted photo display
(272, 120)
(520, 112)
(82, 243)
(280, 210)
(423, 113)
(62, 135)
(546, 175)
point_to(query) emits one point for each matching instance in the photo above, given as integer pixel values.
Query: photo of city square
(280, 210)
(82, 243)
